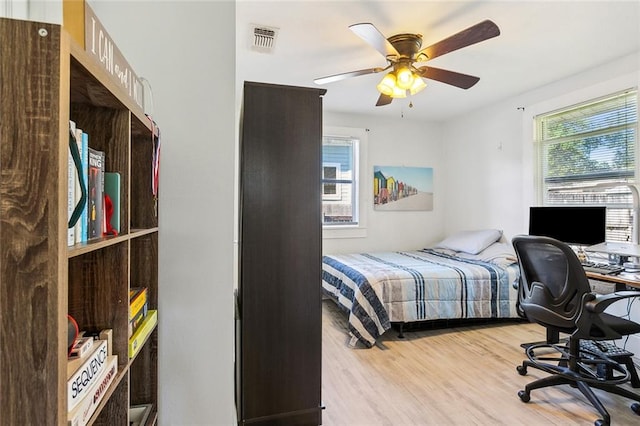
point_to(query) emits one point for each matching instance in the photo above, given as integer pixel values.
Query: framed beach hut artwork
(398, 188)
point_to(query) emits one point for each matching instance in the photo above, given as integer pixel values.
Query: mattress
(377, 289)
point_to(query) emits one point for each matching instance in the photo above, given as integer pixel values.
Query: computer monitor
(582, 226)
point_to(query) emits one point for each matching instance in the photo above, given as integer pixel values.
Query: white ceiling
(540, 42)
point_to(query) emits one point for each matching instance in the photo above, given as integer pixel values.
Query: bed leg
(400, 331)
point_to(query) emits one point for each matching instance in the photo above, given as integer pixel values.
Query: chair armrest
(602, 301)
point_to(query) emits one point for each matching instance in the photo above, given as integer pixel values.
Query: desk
(630, 279)
(622, 281)
(624, 251)
(621, 249)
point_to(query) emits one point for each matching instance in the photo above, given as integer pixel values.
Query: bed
(442, 282)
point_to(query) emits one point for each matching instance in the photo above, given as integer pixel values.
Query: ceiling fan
(404, 54)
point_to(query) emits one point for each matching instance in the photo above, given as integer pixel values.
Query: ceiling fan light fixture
(387, 85)
(399, 93)
(404, 77)
(418, 85)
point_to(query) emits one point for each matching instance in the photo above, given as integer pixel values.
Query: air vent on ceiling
(263, 38)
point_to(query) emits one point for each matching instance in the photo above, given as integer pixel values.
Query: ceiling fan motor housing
(407, 45)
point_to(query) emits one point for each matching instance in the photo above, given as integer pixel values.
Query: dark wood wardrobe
(279, 317)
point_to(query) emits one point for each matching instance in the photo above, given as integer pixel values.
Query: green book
(112, 188)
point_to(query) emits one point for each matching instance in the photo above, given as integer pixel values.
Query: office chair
(554, 292)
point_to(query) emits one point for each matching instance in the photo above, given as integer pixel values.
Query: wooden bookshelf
(47, 79)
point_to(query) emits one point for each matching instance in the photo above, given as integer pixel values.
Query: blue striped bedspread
(407, 286)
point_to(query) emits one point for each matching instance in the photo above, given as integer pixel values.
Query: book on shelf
(138, 319)
(71, 194)
(112, 189)
(138, 307)
(95, 210)
(80, 415)
(79, 226)
(137, 340)
(137, 298)
(82, 373)
(71, 187)
(81, 347)
(105, 334)
(84, 159)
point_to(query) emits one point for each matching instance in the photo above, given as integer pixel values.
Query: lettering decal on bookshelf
(104, 48)
(101, 47)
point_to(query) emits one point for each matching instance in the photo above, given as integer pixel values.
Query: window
(586, 156)
(339, 180)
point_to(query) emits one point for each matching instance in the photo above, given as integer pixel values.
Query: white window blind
(584, 150)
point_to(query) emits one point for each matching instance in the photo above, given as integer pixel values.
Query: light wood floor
(456, 376)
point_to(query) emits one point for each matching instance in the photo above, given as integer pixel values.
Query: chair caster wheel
(522, 370)
(600, 422)
(635, 407)
(524, 396)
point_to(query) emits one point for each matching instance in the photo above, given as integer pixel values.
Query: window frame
(359, 229)
(610, 187)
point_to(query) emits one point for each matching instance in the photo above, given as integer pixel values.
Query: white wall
(395, 142)
(182, 47)
(483, 160)
(494, 148)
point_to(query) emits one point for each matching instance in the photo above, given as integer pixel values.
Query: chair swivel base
(584, 373)
(605, 348)
(617, 354)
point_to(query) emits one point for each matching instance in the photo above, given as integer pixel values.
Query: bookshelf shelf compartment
(100, 243)
(50, 81)
(95, 244)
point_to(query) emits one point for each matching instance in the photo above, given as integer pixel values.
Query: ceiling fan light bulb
(417, 86)
(386, 86)
(398, 93)
(404, 78)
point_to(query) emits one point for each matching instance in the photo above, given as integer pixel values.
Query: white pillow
(498, 251)
(501, 254)
(472, 242)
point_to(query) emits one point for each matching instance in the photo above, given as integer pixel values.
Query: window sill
(345, 231)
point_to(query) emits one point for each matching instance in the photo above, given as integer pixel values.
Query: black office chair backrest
(553, 284)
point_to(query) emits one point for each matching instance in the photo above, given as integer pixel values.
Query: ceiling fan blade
(453, 78)
(369, 33)
(475, 34)
(342, 76)
(384, 100)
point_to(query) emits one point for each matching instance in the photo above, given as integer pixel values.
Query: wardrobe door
(280, 255)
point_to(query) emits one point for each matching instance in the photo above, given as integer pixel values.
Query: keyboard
(602, 268)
